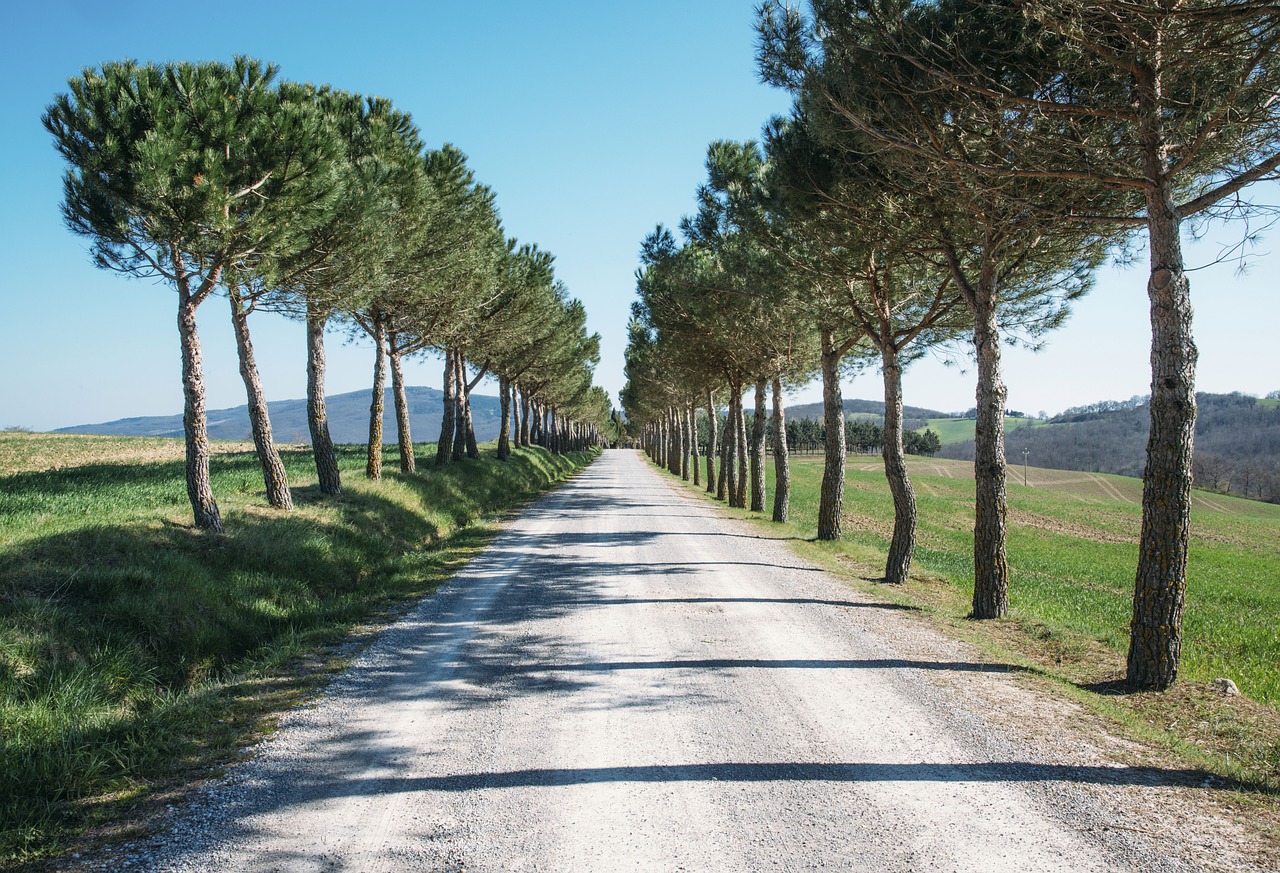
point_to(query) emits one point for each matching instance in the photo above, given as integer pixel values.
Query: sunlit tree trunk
(902, 546)
(757, 450)
(831, 501)
(273, 472)
(504, 427)
(404, 436)
(373, 465)
(317, 415)
(990, 564)
(713, 421)
(448, 421)
(781, 459)
(691, 412)
(194, 423)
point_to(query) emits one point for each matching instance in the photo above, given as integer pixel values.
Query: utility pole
(1025, 452)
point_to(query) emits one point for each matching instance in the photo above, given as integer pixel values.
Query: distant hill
(914, 417)
(348, 419)
(1237, 446)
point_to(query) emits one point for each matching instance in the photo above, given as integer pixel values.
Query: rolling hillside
(348, 419)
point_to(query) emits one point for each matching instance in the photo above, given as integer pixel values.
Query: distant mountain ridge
(348, 419)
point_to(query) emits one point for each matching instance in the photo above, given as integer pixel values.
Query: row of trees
(325, 206)
(959, 169)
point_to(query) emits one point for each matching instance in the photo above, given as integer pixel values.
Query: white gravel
(627, 681)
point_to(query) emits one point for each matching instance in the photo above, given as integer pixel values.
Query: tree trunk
(444, 448)
(1155, 633)
(713, 421)
(194, 424)
(729, 468)
(831, 501)
(990, 565)
(781, 460)
(903, 544)
(757, 450)
(473, 449)
(553, 431)
(404, 436)
(317, 415)
(743, 451)
(273, 473)
(460, 399)
(691, 412)
(504, 428)
(377, 404)
(686, 440)
(524, 418)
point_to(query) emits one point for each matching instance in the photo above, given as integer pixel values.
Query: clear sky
(590, 120)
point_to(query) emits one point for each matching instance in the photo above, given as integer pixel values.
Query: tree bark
(524, 418)
(743, 450)
(691, 412)
(504, 428)
(460, 399)
(194, 423)
(990, 564)
(444, 448)
(317, 415)
(757, 450)
(902, 546)
(377, 404)
(713, 422)
(729, 469)
(273, 473)
(404, 436)
(781, 459)
(1155, 633)
(831, 501)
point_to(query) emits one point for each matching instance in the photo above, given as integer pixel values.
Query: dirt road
(625, 681)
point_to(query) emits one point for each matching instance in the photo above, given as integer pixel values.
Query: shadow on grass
(125, 638)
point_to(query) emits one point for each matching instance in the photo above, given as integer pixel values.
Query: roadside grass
(1072, 554)
(135, 652)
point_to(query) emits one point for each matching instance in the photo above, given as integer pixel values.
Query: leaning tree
(179, 171)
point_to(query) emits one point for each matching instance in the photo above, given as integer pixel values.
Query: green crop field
(959, 430)
(132, 647)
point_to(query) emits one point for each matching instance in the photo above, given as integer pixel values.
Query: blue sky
(590, 120)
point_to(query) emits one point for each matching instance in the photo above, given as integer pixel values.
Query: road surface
(626, 680)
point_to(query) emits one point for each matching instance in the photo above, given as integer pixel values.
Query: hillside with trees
(1237, 442)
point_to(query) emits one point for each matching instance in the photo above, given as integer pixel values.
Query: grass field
(959, 430)
(133, 649)
(1072, 555)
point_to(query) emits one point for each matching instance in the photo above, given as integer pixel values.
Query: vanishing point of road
(628, 680)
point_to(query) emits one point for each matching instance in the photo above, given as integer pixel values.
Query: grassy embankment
(1072, 554)
(135, 652)
(959, 430)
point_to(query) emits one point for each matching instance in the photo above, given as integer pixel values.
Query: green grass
(959, 430)
(1072, 553)
(133, 648)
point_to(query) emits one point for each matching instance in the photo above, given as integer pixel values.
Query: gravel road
(627, 681)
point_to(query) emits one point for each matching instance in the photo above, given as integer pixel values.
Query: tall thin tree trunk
(724, 485)
(504, 428)
(377, 404)
(731, 446)
(460, 399)
(317, 415)
(273, 473)
(686, 440)
(831, 501)
(692, 412)
(194, 423)
(524, 418)
(990, 564)
(743, 451)
(473, 449)
(903, 544)
(553, 434)
(444, 448)
(404, 436)
(781, 459)
(713, 421)
(1155, 633)
(757, 450)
